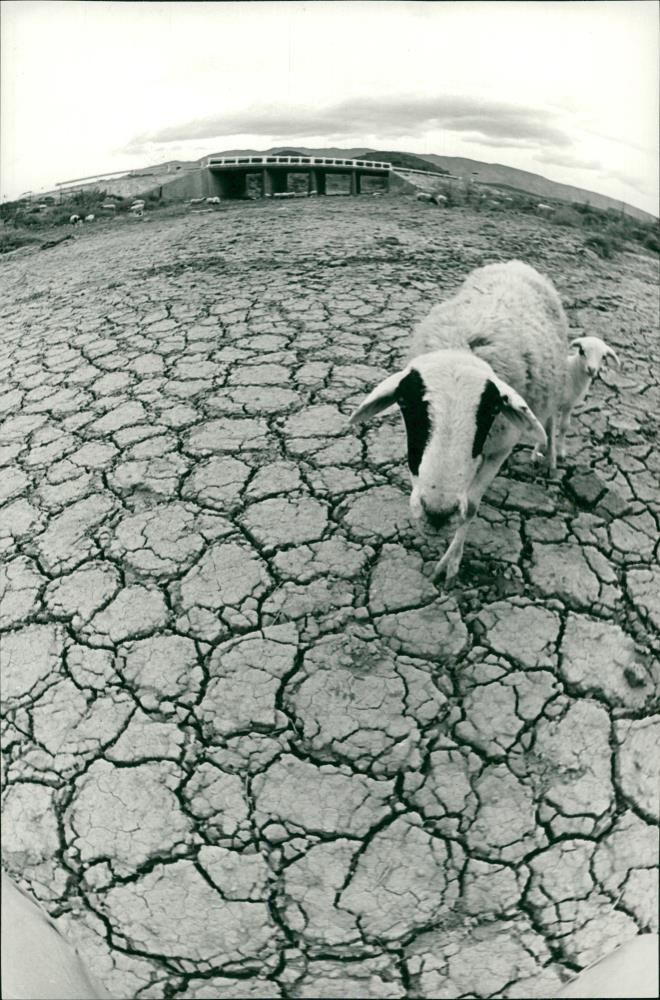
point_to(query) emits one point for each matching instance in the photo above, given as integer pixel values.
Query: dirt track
(250, 750)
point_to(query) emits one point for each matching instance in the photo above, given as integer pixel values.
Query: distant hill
(405, 161)
(487, 173)
(286, 150)
(523, 180)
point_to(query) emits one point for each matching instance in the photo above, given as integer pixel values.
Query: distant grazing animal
(213, 201)
(488, 365)
(544, 208)
(75, 220)
(89, 218)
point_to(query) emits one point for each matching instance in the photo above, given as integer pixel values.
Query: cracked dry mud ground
(250, 750)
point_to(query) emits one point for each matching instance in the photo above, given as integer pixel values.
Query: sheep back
(510, 316)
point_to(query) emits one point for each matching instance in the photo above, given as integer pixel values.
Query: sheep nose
(592, 372)
(438, 518)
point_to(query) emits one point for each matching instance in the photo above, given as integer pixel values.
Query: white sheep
(90, 218)
(488, 364)
(213, 201)
(582, 368)
(75, 220)
(541, 207)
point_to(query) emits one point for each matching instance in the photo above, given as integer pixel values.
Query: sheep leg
(564, 423)
(449, 565)
(551, 454)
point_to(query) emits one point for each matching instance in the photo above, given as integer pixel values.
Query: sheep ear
(516, 410)
(577, 342)
(609, 353)
(384, 395)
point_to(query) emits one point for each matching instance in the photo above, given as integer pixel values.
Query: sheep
(197, 201)
(541, 207)
(36, 960)
(424, 196)
(582, 369)
(213, 201)
(75, 220)
(89, 218)
(487, 366)
(440, 199)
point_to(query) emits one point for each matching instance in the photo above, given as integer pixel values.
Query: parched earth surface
(250, 750)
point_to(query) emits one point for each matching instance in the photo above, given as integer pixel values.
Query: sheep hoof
(551, 469)
(446, 570)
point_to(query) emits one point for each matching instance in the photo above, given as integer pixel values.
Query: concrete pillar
(319, 180)
(354, 182)
(210, 184)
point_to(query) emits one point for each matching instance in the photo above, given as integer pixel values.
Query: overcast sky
(565, 89)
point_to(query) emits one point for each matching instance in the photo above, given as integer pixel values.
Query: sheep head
(450, 401)
(594, 352)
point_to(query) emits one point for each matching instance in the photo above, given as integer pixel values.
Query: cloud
(482, 140)
(491, 122)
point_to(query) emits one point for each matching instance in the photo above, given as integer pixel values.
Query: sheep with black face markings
(488, 365)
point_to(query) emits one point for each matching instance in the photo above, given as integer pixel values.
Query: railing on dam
(293, 161)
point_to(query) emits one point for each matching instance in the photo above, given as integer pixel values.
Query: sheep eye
(581, 350)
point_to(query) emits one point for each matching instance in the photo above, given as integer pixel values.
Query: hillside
(524, 180)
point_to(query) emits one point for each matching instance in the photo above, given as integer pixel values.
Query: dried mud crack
(249, 749)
